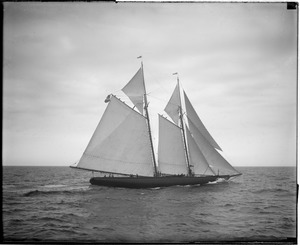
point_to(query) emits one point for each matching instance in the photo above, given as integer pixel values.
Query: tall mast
(183, 132)
(148, 121)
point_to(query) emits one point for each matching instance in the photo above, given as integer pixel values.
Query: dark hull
(152, 182)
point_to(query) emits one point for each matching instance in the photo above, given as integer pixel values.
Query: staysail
(171, 156)
(197, 160)
(120, 143)
(135, 90)
(193, 116)
(212, 156)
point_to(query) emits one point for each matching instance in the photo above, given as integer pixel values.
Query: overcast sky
(237, 63)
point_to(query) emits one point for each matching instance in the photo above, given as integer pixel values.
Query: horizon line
(69, 166)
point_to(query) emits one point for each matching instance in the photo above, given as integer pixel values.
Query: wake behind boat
(122, 144)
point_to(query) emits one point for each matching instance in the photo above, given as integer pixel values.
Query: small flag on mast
(107, 98)
(175, 73)
(139, 57)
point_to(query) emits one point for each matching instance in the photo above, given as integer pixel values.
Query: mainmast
(183, 132)
(148, 121)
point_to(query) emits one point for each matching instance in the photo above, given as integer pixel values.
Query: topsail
(135, 90)
(172, 108)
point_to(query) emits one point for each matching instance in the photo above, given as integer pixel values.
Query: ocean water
(58, 204)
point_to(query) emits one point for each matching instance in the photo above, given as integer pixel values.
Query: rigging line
(159, 87)
(208, 167)
(166, 101)
(159, 98)
(158, 84)
(119, 90)
(169, 121)
(127, 105)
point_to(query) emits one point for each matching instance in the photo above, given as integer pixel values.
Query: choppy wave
(54, 186)
(38, 193)
(54, 191)
(61, 205)
(271, 190)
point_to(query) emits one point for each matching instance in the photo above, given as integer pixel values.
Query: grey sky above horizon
(237, 63)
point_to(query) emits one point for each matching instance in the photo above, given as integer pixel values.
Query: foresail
(193, 116)
(172, 108)
(171, 156)
(135, 90)
(120, 143)
(212, 156)
(197, 160)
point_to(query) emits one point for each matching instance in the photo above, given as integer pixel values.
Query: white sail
(171, 156)
(197, 160)
(120, 143)
(193, 116)
(135, 90)
(212, 156)
(172, 108)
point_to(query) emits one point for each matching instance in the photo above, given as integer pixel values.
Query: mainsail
(120, 143)
(171, 156)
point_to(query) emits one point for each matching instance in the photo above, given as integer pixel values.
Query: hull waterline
(152, 182)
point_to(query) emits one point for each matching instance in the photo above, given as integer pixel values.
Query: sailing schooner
(122, 144)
